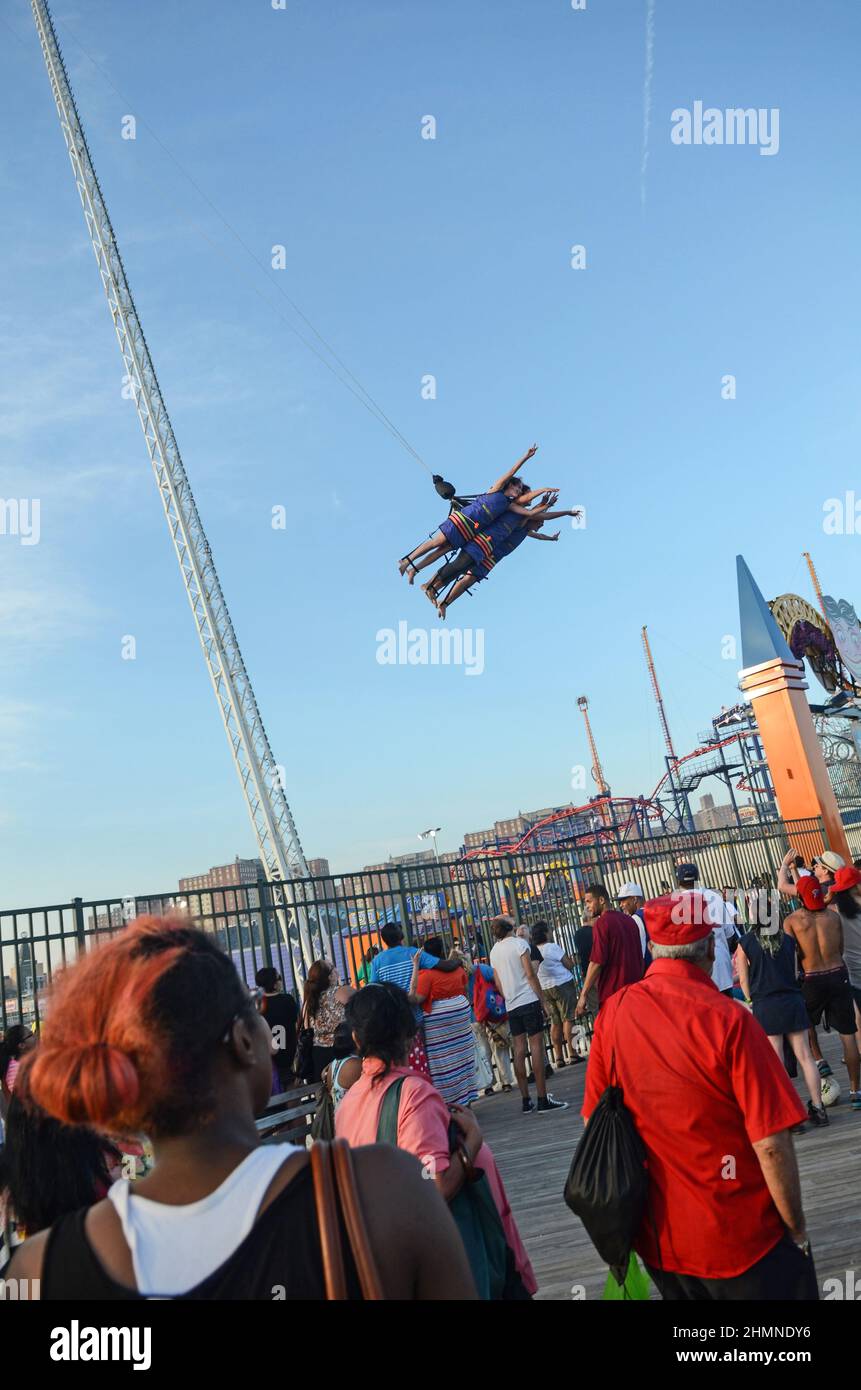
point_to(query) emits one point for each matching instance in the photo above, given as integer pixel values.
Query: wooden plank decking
(534, 1153)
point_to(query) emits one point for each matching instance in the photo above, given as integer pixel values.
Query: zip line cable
(231, 261)
(357, 389)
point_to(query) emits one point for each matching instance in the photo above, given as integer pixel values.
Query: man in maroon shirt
(714, 1108)
(616, 958)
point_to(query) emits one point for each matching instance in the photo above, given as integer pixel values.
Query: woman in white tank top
(154, 1033)
(175, 1248)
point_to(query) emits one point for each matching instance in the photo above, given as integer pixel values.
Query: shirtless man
(818, 934)
(791, 870)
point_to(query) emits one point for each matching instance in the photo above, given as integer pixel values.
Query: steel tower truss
(597, 769)
(278, 841)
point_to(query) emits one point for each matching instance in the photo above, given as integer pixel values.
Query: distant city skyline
(712, 814)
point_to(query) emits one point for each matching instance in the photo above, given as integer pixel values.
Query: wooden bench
(289, 1115)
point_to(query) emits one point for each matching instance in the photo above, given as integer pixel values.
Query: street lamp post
(431, 834)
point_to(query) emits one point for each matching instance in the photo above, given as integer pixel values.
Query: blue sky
(410, 256)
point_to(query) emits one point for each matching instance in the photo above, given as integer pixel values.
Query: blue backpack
(488, 1004)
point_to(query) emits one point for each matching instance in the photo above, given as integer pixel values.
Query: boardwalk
(534, 1153)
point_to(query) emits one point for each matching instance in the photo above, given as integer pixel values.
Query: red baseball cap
(809, 890)
(677, 919)
(846, 878)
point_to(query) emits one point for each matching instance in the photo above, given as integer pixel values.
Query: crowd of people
(706, 1083)
(155, 1059)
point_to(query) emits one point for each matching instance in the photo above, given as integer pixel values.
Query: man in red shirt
(714, 1109)
(616, 958)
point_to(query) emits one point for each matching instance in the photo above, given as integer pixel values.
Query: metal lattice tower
(597, 770)
(817, 587)
(260, 776)
(659, 700)
(679, 794)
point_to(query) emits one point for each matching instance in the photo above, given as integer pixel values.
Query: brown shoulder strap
(334, 1176)
(354, 1219)
(326, 1204)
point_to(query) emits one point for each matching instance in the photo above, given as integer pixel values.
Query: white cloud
(45, 378)
(31, 253)
(39, 616)
(18, 737)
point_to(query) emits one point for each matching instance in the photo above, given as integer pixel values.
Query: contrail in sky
(647, 94)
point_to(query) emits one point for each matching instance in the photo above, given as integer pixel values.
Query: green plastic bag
(636, 1286)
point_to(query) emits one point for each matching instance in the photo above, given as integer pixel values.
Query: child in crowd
(344, 1068)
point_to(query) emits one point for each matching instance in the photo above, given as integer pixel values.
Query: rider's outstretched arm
(506, 477)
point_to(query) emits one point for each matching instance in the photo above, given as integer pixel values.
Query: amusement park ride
(260, 776)
(734, 750)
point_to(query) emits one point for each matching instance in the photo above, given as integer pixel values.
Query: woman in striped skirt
(449, 1040)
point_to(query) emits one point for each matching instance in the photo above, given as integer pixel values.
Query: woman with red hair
(154, 1033)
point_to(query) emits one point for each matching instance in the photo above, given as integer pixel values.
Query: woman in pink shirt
(383, 1028)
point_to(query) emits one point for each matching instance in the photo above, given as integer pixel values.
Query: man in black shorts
(517, 982)
(818, 934)
(828, 994)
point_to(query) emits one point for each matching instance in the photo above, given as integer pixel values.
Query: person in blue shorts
(480, 556)
(508, 493)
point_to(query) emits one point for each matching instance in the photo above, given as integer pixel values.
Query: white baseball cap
(631, 890)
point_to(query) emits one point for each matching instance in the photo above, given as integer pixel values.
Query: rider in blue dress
(464, 523)
(480, 555)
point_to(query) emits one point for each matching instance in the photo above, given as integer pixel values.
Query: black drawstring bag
(449, 493)
(608, 1182)
(445, 490)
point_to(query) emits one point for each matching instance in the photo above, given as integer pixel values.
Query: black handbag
(323, 1121)
(304, 1061)
(608, 1182)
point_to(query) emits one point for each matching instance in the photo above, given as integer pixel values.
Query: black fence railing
(340, 916)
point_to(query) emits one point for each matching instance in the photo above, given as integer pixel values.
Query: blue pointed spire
(761, 638)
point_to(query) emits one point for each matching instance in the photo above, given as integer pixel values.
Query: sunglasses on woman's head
(255, 999)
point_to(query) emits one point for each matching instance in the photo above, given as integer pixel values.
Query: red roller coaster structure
(614, 817)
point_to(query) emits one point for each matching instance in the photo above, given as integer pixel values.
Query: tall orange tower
(817, 587)
(606, 811)
(597, 770)
(659, 699)
(773, 680)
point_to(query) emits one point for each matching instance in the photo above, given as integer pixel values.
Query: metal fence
(339, 916)
(853, 836)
